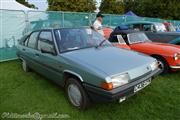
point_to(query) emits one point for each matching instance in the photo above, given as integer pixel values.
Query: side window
(131, 27)
(45, 41)
(45, 36)
(120, 39)
(146, 27)
(26, 41)
(124, 36)
(153, 28)
(113, 39)
(32, 40)
(137, 27)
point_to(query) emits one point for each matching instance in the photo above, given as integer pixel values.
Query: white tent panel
(12, 5)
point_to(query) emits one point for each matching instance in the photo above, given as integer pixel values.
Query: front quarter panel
(85, 73)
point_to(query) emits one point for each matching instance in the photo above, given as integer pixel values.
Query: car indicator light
(107, 86)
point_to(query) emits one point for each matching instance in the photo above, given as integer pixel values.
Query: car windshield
(160, 27)
(137, 38)
(69, 39)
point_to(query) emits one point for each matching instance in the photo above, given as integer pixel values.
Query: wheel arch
(71, 74)
(155, 55)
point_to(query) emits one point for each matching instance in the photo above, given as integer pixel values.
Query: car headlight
(176, 56)
(154, 65)
(116, 81)
(120, 80)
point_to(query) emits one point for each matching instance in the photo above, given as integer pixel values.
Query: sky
(43, 5)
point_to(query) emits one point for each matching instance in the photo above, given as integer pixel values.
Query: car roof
(72, 27)
(140, 22)
(61, 28)
(119, 31)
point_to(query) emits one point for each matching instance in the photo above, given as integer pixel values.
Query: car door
(29, 50)
(47, 57)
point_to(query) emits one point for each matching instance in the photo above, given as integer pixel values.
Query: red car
(168, 55)
(107, 31)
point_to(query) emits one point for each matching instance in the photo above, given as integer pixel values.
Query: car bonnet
(111, 60)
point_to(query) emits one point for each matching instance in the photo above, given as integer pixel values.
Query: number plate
(142, 85)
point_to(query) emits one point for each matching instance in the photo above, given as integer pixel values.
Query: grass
(24, 93)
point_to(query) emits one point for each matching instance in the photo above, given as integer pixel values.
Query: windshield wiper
(101, 43)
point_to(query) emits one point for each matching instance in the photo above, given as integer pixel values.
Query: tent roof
(130, 13)
(12, 5)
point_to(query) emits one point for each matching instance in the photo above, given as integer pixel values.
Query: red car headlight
(176, 56)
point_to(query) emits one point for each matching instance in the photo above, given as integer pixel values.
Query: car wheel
(163, 64)
(76, 94)
(25, 66)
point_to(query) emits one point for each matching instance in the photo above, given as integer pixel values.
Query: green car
(86, 65)
(155, 31)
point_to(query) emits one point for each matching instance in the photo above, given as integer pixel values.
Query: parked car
(169, 27)
(87, 66)
(155, 31)
(168, 55)
(107, 31)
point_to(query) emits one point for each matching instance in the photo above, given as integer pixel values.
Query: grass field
(24, 93)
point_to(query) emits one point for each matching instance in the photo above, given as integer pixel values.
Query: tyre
(25, 66)
(76, 94)
(163, 64)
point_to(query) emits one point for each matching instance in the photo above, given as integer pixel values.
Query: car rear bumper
(100, 95)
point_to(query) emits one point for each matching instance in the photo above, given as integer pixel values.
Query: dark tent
(130, 16)
(130, 13)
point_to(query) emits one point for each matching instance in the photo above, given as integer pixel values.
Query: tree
(112, 6)
(72, 5)
(27, 4)
(166, 9)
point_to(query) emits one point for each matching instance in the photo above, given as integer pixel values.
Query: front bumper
(100, 95)
(175, 67)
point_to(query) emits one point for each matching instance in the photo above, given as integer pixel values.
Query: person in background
(98, 24)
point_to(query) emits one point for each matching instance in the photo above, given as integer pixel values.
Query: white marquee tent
(12, 22)
(12, 5)
(15, 20)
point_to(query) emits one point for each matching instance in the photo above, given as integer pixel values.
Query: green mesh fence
(40, 20)
(15, 24)
(76, 19)
(12, 25)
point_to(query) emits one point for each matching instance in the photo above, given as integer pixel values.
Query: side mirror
(49, 50)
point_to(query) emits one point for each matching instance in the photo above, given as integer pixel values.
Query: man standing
(98, 23)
